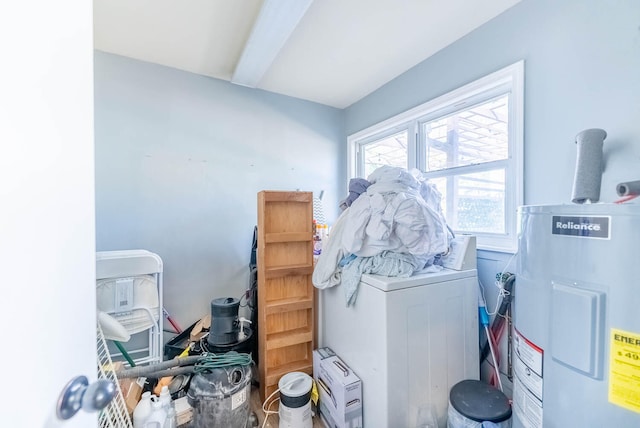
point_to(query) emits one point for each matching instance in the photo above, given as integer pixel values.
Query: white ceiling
(339, 51)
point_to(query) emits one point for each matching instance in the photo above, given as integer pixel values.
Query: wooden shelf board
(271, 238)
(277, 196)
(287, 305)
(275, 373)
(289, 338)
(274, 272)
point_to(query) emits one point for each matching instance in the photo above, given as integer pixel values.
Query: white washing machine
(408, 339)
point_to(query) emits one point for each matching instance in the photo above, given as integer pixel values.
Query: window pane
(476, 135)
(474, 202)
(391, 151)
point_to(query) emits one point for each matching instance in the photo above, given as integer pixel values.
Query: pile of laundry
(391, 225)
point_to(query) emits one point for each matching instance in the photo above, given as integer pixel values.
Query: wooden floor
(273, 420)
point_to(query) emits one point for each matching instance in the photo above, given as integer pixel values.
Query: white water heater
(576, 349)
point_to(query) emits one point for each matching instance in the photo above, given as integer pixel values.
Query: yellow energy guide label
(624, 369)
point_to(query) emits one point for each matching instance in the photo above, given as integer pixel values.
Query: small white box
(340, 390)
(462, 253)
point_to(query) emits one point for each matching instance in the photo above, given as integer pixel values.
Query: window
(385, 150)
(469, 143)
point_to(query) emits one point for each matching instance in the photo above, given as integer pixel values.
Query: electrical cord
(249, 294)
(267, 411)
(211, 361)
(502, 274)
(500, 280)
(482, 291)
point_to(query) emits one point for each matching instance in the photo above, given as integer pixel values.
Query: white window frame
(507, 80)
(409, 127)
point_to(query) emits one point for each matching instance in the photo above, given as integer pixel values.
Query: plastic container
(167, 405)
(475, 404)
(158, 415)
(175, 346)
(172, 418)
(142, 411)
(317, 245)
(295, 400)
(165, 397)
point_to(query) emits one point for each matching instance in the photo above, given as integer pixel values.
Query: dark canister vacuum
(220, 389)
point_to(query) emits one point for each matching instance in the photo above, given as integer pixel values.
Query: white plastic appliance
(129, 288)
(294, 410)
(409, 340)
(577, 329)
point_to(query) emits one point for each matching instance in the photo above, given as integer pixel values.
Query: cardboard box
(184, 411)
(131, 388)
(340, 390)
(131, 392)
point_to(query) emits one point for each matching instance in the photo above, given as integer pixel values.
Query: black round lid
(480, 401)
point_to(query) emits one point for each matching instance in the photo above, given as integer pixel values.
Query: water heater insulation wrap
(589, 166)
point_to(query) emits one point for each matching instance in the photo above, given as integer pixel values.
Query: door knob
(79, 394)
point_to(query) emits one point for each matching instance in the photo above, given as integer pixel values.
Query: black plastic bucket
(224, 321)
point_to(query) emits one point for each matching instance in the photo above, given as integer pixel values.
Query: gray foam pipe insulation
(628, 188)
(589, 166)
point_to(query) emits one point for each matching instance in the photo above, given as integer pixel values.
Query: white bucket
(295, 400)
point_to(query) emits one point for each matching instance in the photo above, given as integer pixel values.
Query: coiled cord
(209, 361)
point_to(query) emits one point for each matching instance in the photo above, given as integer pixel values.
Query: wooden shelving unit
(286, 297)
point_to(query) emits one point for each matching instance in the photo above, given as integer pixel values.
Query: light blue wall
(180, 159)
(582, 70)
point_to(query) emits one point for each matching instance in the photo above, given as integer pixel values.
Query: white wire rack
(115, 415)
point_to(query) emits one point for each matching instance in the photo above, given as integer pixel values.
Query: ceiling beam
(275, 23)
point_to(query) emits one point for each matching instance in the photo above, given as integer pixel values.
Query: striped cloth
(318, 211)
